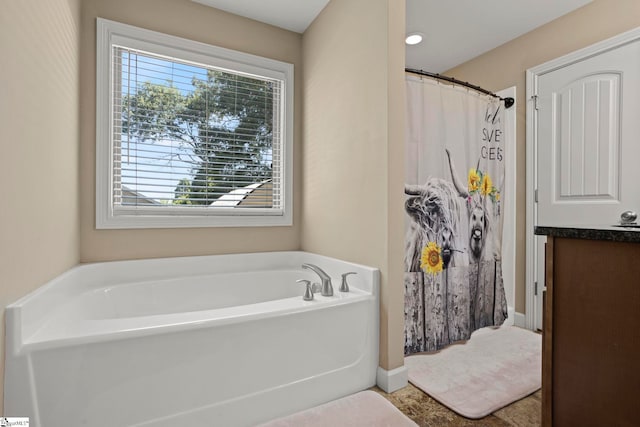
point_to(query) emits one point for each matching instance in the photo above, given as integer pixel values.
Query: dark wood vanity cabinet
(591, 332)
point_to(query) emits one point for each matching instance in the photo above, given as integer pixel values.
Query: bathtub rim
(26, 317)
(118, 329)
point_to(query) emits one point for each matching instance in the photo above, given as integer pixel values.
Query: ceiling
(293, 15)
(455, 31)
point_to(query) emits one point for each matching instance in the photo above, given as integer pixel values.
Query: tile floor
(426, 412)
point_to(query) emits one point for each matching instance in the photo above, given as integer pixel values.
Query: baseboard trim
(520, 320)
(510, 321)
(392, 380)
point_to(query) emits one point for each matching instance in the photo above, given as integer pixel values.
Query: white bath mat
(364, 409)
(489, 371)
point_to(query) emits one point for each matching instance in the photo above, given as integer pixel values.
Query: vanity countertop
(591, 232)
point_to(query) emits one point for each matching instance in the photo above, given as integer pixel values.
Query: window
(189, 134)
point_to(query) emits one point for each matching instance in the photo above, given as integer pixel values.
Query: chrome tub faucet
(327, 288)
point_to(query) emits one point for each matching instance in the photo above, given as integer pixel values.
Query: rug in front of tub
(493, 369)
(364, 409)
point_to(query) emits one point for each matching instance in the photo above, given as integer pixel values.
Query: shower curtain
(454, 181)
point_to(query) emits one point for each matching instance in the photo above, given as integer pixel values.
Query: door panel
(587, 139)
(586, 142)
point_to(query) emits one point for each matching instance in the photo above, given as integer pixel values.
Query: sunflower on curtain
(453, 270)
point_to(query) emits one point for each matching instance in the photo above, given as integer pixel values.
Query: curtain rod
(508, 102)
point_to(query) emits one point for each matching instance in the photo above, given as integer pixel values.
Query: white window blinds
(187, 135)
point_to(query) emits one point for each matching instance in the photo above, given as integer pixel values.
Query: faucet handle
(308, 292)
(344, 286)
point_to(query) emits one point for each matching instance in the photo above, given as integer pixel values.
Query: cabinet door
(595, 348)
(547, 335)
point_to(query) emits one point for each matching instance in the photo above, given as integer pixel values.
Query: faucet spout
(327, 287)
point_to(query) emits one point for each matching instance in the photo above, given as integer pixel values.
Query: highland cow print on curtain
(455, 176)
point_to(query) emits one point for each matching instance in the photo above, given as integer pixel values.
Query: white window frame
(110, 33)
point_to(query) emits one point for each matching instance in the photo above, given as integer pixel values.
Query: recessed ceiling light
(413, 38)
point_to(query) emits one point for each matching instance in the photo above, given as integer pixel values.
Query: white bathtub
(204, 341)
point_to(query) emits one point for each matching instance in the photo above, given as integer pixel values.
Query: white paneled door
(587, 142)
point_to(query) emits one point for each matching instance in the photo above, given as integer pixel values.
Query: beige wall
(39, 136)
(353, 125)
(187, 19)
(506, 65)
